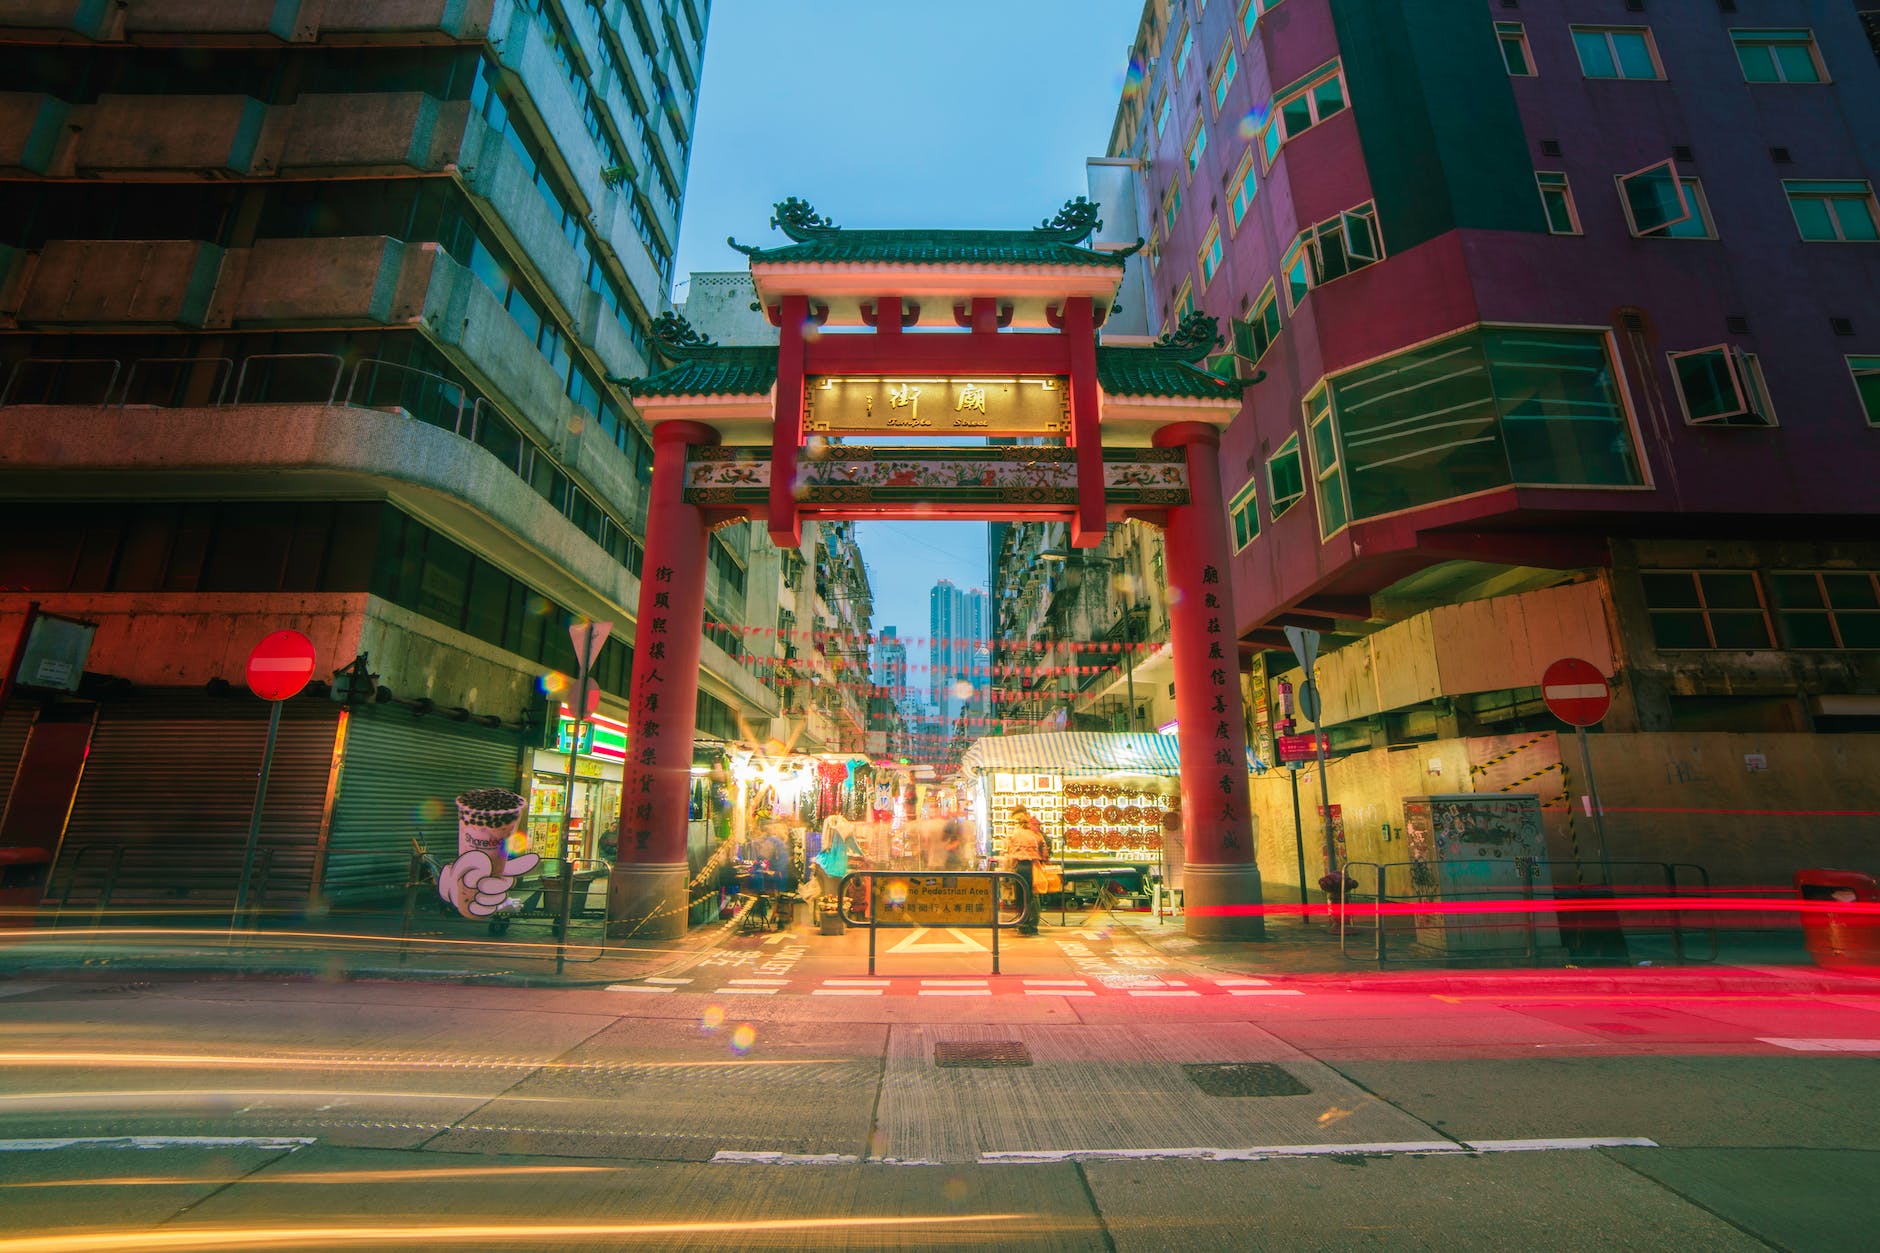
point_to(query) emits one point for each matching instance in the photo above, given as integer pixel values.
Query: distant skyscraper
(946, 626)
(891, 665)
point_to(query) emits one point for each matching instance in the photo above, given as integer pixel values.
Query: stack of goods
(1108, 820)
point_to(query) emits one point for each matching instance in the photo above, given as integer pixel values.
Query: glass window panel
(1670, 589)
(1420, 427)
(1270, 140)
(1332, 511)
(1795, 591)
(1739, 630)
(1295, 115)
(1559, 216)
(1708, 384)
(1514, 53)
(1729, 589)
(1285, 477)
(1697, 225)
(1595, 54)
(1758, 62)
(1850, 591)
(1797, 63)
(1329, 97)
(1563, 416)
(1633, 48)
(446, 581)
(1324, 445)
(1655, 198)
(1859, 630)
(1806, 630)
(488, 605)
(1812, 217)
(1855, 217)
(1679, 630)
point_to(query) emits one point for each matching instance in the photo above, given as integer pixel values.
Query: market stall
(1103, 800)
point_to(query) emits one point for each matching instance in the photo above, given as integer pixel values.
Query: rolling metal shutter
(400, 778)
(175, 794)
(13, 728)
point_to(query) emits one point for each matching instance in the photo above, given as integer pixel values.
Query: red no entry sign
(1576, 692)
(280, 665)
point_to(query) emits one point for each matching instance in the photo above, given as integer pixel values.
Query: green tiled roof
(714, 371)
(938, 247)
(1159, 372)
(814, 238)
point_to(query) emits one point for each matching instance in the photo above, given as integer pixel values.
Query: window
(1299, 108)
(1557, 200)
(1224, 77)
(1323, 440)
(1197, 144)
(1185, 53)
(1653, 198)
(1616, 52)
(1251, 11)
(1866, 372)
(1285, 479)
(1164, 112)
(1244, 509)
(1705, 609)
(1778, 56)
(1698, 225)
(1211, 254)
(1832, 209)
(1254, 334)
(1331, 250)
(1826, 608)
(1171, 204)
(1514, 49)
(1722, 386)
(1184, 302)
(1241, 191)
(1296, 274)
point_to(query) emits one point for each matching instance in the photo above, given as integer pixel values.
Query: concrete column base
(647, 901)
(1234, 889)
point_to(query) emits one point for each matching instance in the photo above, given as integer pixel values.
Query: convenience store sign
(600, 737)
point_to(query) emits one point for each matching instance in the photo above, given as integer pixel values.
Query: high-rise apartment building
(1565, 326)
(307, 320)
(946, 622)
(891, 665)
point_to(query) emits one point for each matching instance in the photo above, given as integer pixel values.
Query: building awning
(1077, 753)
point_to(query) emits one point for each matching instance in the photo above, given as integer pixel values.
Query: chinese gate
(936, 333)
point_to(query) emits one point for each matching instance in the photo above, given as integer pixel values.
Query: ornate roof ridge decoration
(1074, 223)
(1058, 240)
(1198, 335)
(676, 338)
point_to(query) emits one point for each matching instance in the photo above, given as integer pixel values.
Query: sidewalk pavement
(362, 946)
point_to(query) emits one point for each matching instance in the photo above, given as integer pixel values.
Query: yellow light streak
(351, 1178)
(65, 935)
(155, 1061)
(434, 1235)
(107, 1096)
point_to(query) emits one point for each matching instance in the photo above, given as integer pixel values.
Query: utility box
(1479, 860)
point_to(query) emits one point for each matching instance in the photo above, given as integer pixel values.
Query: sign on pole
(280, 665)
(1579, 695)
(1309, 701)
(1576, 692)
(1305, 646)
(1299, 748)
(278, 668)
(587, 638)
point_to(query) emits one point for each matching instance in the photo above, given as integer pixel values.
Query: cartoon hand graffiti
(477, 884)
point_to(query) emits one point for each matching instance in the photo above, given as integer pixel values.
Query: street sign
(1301, 747)
(1576, 692)
(587, 638)
(1305, 646)
(1309, 701)
(280, 665)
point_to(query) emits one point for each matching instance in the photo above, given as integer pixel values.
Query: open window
(1722, 386)
(1360, 226)
(1655, 198)
(1285, 477)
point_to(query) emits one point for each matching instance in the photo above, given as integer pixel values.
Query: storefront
(1101, 799)
(597, 772)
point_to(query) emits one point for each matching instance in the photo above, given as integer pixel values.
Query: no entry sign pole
(278, 668)
(587, 638)
(1578, 694)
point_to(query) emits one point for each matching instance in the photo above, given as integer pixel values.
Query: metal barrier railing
(179, 366)
(57, 374)
(312, 395)
(956, 899)
(430, 398)
(1428, 905)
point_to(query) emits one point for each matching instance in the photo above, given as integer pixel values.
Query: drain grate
(981, 1053)
(1245, 1079)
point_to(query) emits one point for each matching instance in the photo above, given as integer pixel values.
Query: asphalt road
(766, 1092)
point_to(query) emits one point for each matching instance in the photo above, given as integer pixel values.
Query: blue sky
(898, 113)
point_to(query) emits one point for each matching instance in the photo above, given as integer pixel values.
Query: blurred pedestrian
(1025, 848)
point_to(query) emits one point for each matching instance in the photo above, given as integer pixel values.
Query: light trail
(154, 1061)
(439, 1234)
(1559, 905)
(350, 1178)
(19, 1101)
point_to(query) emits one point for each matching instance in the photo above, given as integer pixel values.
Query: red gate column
(647, 897)
(1222, 880)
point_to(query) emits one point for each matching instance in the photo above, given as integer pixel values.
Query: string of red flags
(858, 640)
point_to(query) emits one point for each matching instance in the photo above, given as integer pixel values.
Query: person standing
(1025, 848)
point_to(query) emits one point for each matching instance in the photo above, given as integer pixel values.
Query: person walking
(1025, 848)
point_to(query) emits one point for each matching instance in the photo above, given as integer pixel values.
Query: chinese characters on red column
(1218, 676)
(650, 687)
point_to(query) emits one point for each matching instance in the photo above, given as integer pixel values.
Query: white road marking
(759, 983)
(655, 979)
(1163, 992)
(1822, 1045)
(1220, 1155)
(747, 991)
(1241, 981)
(1570, 1142)
(1057, 983)
(1264, 992)
(1059, 992)
(636, 987)
(21, 989)
(735, 1158)
(846, 992)
(290, 1143)
(916, 942)
(856, 983)
(954, 983)
(956, 992)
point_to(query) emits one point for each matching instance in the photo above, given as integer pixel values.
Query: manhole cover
(1245, 1079)
(981, 1053)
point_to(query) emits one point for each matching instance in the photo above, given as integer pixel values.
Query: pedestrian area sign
(936, 901)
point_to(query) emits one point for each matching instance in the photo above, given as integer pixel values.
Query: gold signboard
(936, 901)
(936, 406)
